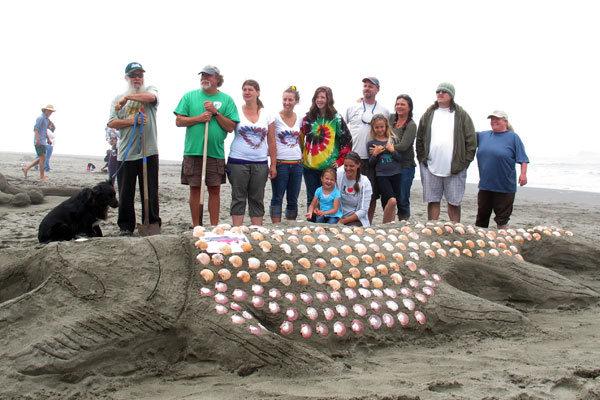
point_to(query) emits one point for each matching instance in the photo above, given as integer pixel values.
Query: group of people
(347, 163)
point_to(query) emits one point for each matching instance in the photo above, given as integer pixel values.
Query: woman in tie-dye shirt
(324, 138)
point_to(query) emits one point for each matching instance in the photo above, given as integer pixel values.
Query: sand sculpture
(22, 196)
(294, 301)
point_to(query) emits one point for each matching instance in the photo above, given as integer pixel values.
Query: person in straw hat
(41, 138)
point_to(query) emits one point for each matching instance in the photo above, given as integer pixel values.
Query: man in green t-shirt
(197, 108)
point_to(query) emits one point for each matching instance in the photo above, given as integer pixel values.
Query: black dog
(79, 215)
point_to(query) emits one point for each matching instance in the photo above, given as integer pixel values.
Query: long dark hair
(256, 86)
(330, 110)
(353, 156)
(452, 105)
(410, 104)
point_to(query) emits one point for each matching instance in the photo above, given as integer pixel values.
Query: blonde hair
(331, 171)
(388, 129)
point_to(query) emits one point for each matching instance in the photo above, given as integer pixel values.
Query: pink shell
(221, 298)
(429, 283)
(436, 277)
(328, 313)
(359, 309)
(388, 320)
(255, 330)
(258, 301)
(390, 293)
(423, 273)
(377, 293)
(357, 326)
(306, 297)
(286, 328)
(420, 317)
(274, 307)
(247, 315)
(322, 329)
(237, 319)
(409, 304)
(206, 291)
(341, 309)
(312, 313)
(258, 289)
(392, 305)
(403, 319)
(421, 297)
(221, 309)
(239, 295)
(428, 291)
(290, 296)
(375, 306)
(366, 293)
(339, 328)
(375, 321)
(235, 306)
(291, 314)
(335, 296)
(274, 293)
(350, 293)
(305, 331)
(221, 287)
(321, 296)
(406, 292)
(414, 283)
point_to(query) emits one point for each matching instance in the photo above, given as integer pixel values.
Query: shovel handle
(203, 179)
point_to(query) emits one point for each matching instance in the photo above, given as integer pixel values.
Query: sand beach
(498, 327)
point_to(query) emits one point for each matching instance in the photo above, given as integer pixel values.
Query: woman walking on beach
(498, 151)
(386, 161)
(405, 130)
(355, 190)
(289, 159)
(247, 166)
(324, 138)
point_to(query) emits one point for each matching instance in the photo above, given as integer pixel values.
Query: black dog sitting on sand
(79, 215)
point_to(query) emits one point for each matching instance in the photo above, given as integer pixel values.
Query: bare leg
(433, 211)
(195, 204)
(389, 212)
(27, 168)
(214, 204)
(256, 220)
(372, 208)
(237, 220)
(453, 213)
(275, 220)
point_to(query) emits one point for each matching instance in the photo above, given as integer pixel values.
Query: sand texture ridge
(396, 311)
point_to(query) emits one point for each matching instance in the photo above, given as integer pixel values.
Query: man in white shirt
(358, 119)
(446, 144)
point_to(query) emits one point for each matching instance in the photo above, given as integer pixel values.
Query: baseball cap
(499, 114)
(132, 66)
(211, 70)
(372, 79)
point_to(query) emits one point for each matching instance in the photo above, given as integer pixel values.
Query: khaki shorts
(191, 171)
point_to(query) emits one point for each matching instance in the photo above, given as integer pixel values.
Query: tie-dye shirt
(324, 142)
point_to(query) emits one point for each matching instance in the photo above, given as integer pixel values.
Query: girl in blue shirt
(325, 206)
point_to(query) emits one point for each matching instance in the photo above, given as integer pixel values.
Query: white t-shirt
(287, 139)
(441, 148)
(360, 130)
(250, 140)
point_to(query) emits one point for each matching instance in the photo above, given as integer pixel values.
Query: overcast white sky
(536, 60)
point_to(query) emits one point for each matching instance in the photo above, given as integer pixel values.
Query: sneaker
(125, 232)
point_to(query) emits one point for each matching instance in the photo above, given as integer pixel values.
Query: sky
(536, 60)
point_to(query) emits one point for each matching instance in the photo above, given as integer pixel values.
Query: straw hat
(49, 107)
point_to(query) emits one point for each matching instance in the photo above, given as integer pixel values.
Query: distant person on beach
(446, 144)
(247, 166)
(289, 159)
(498, 151)
(112, 137)
(40, 140)
(124, 114)
(358, 118)
(355, 190)
(195, 109)
(50, 146)
(324, 138)
(405, 131)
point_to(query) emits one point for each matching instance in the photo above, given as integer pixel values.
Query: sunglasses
(140, 75)
(441, 91)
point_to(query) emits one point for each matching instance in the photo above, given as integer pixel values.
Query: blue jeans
(324, 219)
(312, 181)
(288, 180)
(49, 148)
(408, 174)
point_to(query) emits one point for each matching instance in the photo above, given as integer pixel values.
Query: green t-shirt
(191, 105)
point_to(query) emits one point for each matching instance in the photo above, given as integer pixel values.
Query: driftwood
(21, 196)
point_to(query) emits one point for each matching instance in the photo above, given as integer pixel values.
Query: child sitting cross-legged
(325, 206)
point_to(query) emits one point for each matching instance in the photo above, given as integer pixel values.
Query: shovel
(146, 229)
(203, 172)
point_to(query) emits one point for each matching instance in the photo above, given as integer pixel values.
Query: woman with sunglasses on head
(247, 166)
(289, 159)
(324, 138)
(355, 190)
(405, 131)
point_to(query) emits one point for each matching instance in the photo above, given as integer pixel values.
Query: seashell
(429, 282)
(391, 293)
(221, 298)
(397, 278)
(427, 231)
(409, 304)
(221, 309)
(370, 231)
(236, 261)
(263, 277)
(369, 271)
(421, 297)
(274, 307)
(217, 259)
(355, 272)
(335, 274)
(507, 252)
(377, 282)
(277, 237)
(406, 229)
(321, 296)
(203, 258)
(382, 269)
(420, 317)
(346, 249)
(351, 294)
(502, 246)
(398, 257)
(380, 257)
(423, 272)
(347, 230)
(257, 236)
(454, 251)
(207, 275)
(447, 243)
(366, 293)
(494, 252)
(246, 247)
(258, 289)
(198, 231)
(375, 306)
(403, 319)
(306, 297)
(333, 251)
(334, 284)
(253, 263)
(376, 248)
(394, 266)
(438, 230)
(336, 262)
(413, 246)
(237, 319)
(318, 248)
(239, 295)
(414, 255)
(235, 306)
(442, 252)
(388, 320)
(302, 279)
(470, 243)
(387, 246)
(294, 239)
(401, 246)
(290, 296)
(357, 326)
(319, 277)
(467, 252)
(359, 231)
(286, 248)
(224, 274)
(392, 305)
(413, 235)
(302, 248)
(392, 238)
(480, 253)
(520, 257)
(413, 283)
(353, 260)
(304, 262)
(258, 301)
(428, 291)
(436, 277)
(306, 230)
(323, 238)
(243, 276)
(480, 243)
(406, 292)
(356, 238)
(201, 244)
(287, 265)
(377, 293)
(364, 282)
(368, 239)
(394, 231)
(449, 229)
(286, 328)
(328, 313)
(339, 328)
(374, 321)
(285, 279)
(341, 237)
(436, 245)
(306, 331)
(457, 243)
(308, 239)
(429, 253)
(335, 296)
(271, 265)
(514, 249)
(265, 246)
(492, 244)
(350, 282)
(319, 262)
(321, 329)
(320, 230)
(411, 265)
(341, 309)
(333, 230)
(225, 249)
(424, 245)
(360, 248)
(460, 230)
(206, 291)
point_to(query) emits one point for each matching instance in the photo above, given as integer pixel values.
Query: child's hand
(308, 216)
(389, 147)
(318, 212)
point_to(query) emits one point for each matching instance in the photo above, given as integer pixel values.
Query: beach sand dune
(125, 317)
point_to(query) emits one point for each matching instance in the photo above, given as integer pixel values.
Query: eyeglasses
(132, 76)
(441, 91)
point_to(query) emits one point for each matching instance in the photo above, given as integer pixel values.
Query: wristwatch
(216, 114)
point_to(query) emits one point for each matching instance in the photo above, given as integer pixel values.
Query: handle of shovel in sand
(205, 145)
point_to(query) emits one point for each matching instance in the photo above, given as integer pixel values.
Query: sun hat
(372, 79)
(210, 70)
(446, 87)
(49, 107)
(133, 66)
(499, 114)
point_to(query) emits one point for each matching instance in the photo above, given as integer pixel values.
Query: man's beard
(205, 85)
(133, 90)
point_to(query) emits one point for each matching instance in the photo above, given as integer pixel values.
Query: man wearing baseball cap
(197, 108)
(40, 139)
(358, 119)
(446, 144)
(124, 114)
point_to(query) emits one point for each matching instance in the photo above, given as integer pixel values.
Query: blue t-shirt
(41, 125)
(326, 202)
(497, 154)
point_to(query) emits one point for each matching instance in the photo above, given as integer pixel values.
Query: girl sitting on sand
(325, 206)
